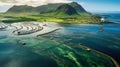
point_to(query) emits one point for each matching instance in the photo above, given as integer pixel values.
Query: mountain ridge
(78, 7)
(75, 7)
(59, 12)
(65, 9)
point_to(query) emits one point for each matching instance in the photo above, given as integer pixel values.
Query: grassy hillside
(65, 9)
(22, 9)
(61, 12)
(48, 8)
(78, 7)
(44, 8)
(82, 19)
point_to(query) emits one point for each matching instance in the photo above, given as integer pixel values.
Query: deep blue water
(114, 17)
(107, 40)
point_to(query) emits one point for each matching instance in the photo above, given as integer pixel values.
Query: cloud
(31, 2)
(82, 3)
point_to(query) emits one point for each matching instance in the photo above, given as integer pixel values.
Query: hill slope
(78, 7)
(59, 12)
(48, 8)
(65, 9)
(45, 8)
(21, 9)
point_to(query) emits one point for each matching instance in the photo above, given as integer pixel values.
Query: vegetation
(78, 7)
(44, 8)
(62, 13)
(65, 9)
(83, 18)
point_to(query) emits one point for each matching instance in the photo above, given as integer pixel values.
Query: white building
(102, 19)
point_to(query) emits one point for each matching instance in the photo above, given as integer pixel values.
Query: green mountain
(48, 8)
(21, 9)
(78, 7)
(59, 12)
(65, 9)
(68, 8)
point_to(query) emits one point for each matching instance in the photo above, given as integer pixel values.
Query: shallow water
(41, 52)
(61, 49)
(12, 55)
(107, 41)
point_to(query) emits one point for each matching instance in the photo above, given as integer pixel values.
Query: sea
(101, 37)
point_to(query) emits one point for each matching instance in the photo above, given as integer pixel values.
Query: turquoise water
(41, 52)
(106, 41)
(61, 49)
(12, 55)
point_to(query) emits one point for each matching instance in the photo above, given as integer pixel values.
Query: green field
(51, 17)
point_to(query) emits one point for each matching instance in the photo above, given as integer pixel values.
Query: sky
(89, 5)
(100, 5)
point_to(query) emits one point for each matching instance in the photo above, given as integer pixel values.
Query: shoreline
(111, 58)
(31, 29)
(48, 32)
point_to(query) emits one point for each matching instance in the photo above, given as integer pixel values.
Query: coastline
(48, 32)
(111, 58)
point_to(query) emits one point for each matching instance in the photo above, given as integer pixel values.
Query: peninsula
(59, 12)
